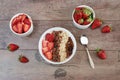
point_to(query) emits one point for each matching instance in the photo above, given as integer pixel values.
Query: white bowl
(57, 29)
(83, 26)
(23, 34)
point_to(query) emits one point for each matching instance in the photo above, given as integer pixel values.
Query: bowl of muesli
(57, 45)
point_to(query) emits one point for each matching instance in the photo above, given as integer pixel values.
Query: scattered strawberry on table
(83, 16)
(97, 23)
(23, 59)
(12, 47)
(106, 29)
(21, 24)
(101, 53)
(48, 45)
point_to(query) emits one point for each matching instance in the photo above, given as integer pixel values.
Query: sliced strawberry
(50, 45)
(45, 49)
(27, 21)
(20, 27)
(48, 55)
(44, 43)
(49, 37)
(12, 47)
(26, 27)
(23, 17)
(15, 28)
(19, 18)
(14, 21)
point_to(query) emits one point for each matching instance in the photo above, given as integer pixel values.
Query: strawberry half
(15, 28)
(23, 59)
(44, 43)
(20, 27)
(12, 47)
(49, 37)
(97, 23)
(50, 45)
(106, 29)
(26, 27)
(101, 53)
(45, 50)
(48, 55)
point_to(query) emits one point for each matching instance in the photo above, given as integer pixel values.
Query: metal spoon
(84, 42)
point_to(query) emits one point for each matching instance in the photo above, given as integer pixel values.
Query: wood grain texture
(58, 10)
(97, 39)
(77, 68)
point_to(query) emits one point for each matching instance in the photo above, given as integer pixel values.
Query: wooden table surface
(50, 13)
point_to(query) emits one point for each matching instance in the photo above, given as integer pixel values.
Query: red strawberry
(15, 28)
(14, 21)
(86, 22)
(27, 21)
(23, 59)
(44, 43)
(97, 23)
(12, 47)
(81, 21)
(45, 49)
(23, 17)
(26, 27)
(77, 16)
(48, 55)
(50, 45)
(49, 37)
(19, 18)
(101, 53)
(106, 29)
(20, 27)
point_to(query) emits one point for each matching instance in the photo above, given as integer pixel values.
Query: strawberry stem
(97, 50)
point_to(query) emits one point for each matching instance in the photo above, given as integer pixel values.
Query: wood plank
(97, 39)
(58, 10)
(37, 68)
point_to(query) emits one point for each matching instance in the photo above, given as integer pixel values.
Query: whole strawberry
(12, 47)
(101, 53)
(23, 59)
(106, 29)
(97, 23)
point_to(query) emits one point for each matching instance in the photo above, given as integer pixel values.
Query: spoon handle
(90, 59)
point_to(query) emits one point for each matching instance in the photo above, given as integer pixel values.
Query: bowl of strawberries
(57, 45)
(21, 24)
(83, 16)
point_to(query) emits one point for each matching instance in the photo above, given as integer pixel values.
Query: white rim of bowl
(57, 29)
(10, 24)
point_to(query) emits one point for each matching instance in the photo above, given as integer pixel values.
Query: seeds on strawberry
(50, 45)
(101, 53)
(12, 47)
(106, 29)
(97, 23)
(23, 59)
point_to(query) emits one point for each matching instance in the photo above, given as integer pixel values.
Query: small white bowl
(23, 34)
(57, 29)
(83, 26)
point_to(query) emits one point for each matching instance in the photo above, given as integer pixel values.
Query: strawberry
(44, 43)
(101, 53)
(26, 27)
(27, 21)
(77, 16)
(86, 13)
(97, 23)
(20, 27)
(12, 47)
(23, 17)
(48, 55)
(86, 23)
(15, 28)
(81, 21)
(49, 37)
(14, 21)
(23, 59)
(50, 45)
(106, 29)
(45, 49)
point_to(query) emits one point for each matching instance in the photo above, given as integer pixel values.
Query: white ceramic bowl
(23, 34)
(83, 26)
(57, 29)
